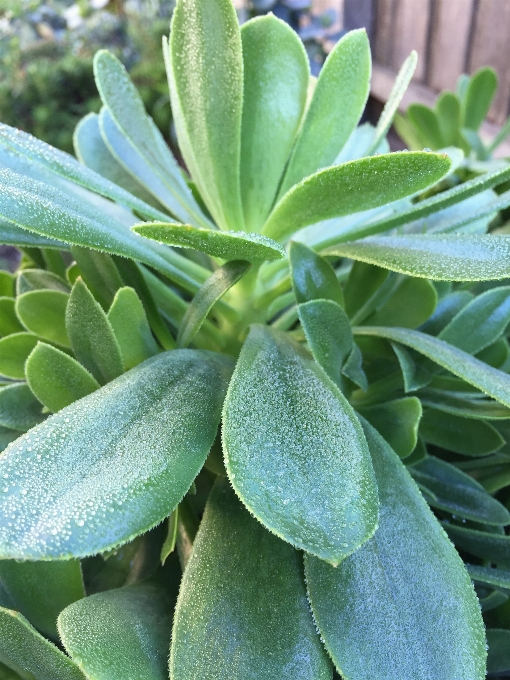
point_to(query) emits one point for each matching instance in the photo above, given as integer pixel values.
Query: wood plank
(491, 46)
(449, 42)
(412, 19)
(359, 14)
(384, 26)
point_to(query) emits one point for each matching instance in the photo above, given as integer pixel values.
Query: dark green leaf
(121, 634)
(212, 290)
(276, 75)
(353, 187)
(43, 313)
(23, 648)
(231, 245)
(239, 622)
(462, 435)
(397, 421)
(14, 351)
(57, 379)
(171, 538)
(37, 279)
(91, 334)
(458, 493)
(312, 276)
(7, 436)
(6, 284)
(403, 605)
(363, 282)
(479, 95)
(335, 109)
(411, 303)
(446, 309)
(19, 409)
(492, 547)
(9, 322)
(99, 273)
(131, 328)
(467, 408)
(293, 444)
(353, 368)
(493, 577)
(115, 463)
(498, 659)
(40, 590)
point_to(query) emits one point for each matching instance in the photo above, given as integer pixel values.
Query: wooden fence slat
(449, 42)
(359, 14)
(411, 33)
(383, 43)
(491, 43)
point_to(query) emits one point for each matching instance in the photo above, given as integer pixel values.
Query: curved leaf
(479, 95)
(489, 575)
(403, 605)
(115, 463)
(276, 75)
(426, 123)
(467, 408)
(57, 379)
(233, 621)
(9, 322)
(43, 313)
(206, 90)
(353, 187)
(229, 245)
(99, 272)
(312, 276)
(19, 409)
(469, 437)
(411, 303)
(294, 449)
(448, 113)
(22, 647)
(120, 634)
(397, 421)
(37, 279)
(337, 104)
(131, 328)
(489, 546)
(14, 351)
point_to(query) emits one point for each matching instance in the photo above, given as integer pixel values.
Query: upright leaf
(426, 124)
(312, 276)
(336, 107)
(115, 463)
(121, 634)
(353, 187)
(233, 621)
(479, 95)
(402, 606)
(276, 75)
(131, 328)
(99, 272)
(206, 89)
(294, 449)
(448, 114)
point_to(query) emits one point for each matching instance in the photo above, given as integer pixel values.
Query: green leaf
(467, 408)
(480, 93)
(353, 187)
(99, 272)
(19, 409)
(397, 421)
(43, 313)
(14, 351)
(353, 368)
(57, 379)
(23, 648)
(171, 538)
(115, 463)
(7, 436)
(9, 322)
(498, 659)
(91, 335)
(230, 245)
(492, 547)
(293, 444)
(212, 290)
(462, 435)
(442, 257)
(489, 575)
(328, 333)
(449, 116)
(6, 284)
(412, 302)
(276, 75)
(446, 309)
(121, 634)
(458, 493)
(312, 276)
(337, 104)
(392, 104)
(206, 91)
(37, 279)
(239, 622)
(427, 127)
(382, 612)
(481, 322)
(363, 282)
(40, 590)
(131, 328)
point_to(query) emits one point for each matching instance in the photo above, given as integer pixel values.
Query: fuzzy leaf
(293, 445)
(491, 547)
(479, 95)
(467, 408)
(498, 660)
(43, 313)
(24, 648)
(99, 272)
(448, 115)
(19, 409)
(40, 590)
(57, 379)
(335, 109)
(412, 302)
(14, 351)
(397, 421)
(37, 279)
(206, 91)
(121, 634)
(363, 283)
(115, 463)
(403, 605)
(233, 621)
(426, 124)
(312, 276)
(276, 75)
(230, 245)
(9, 322)
(489, 575)
(462, 435)
(353, 187)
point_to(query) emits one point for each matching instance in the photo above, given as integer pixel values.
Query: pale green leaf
(426, 124)
(467, 408)
(242, 612)
(171, 538)
(402, 606)
(14, 351)
(479, 95)
(113, 464)
(131, 328)
(294, 450)
(37, 279)
(9, 321)
(43, 313)
(353, 187)
(448, 113)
